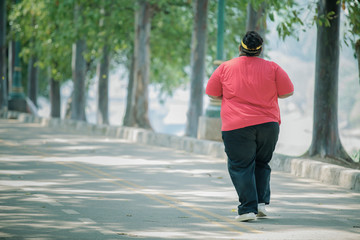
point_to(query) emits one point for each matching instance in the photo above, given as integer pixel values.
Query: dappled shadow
(56, 185)
(41, 203)
(307, 203)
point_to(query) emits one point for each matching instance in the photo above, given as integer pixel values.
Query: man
(249, 88)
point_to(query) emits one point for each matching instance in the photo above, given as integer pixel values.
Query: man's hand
(215, 97)
(286, 95)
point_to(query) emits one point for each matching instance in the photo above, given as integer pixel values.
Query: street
(57, 184)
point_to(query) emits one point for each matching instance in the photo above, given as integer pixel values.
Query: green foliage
(356, 156)
(295, 16)
(48, 29)
(289, 15)
(170, 39)
(111, 23)
(41, 27)
(170, 43)
(235, 23)
(352, 12)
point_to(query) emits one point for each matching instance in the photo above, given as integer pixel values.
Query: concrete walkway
(60, 184)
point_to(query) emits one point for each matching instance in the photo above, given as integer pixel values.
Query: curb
(323, 172)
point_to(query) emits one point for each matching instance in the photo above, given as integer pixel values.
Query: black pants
(249, 152)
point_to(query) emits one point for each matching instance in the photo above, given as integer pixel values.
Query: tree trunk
(78, 74)
(55, 98)
(103, 87)
(255, 21)
(142, 63)
(11, 61)
(325, 139)
(68, 105)
(3, 83)
(357, 52)
(129, 118)
(32, 80)
(198, 54)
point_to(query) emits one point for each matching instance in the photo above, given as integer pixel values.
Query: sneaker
(245, 217)
(261, 210)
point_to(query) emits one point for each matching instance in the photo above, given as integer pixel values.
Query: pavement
(78, 181)
(301, 167)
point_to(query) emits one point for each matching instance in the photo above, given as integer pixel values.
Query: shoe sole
(245, 219)
(261, 214)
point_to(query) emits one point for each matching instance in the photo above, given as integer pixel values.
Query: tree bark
(78, 102)
(32, 80)
(142, 63)
(11, 61)
(103, 87)
(357, 51)
(325, 139)
(198, 54)
(255, 21)
(69, 105)
(3, 79)
(55, 98)
(129, 118)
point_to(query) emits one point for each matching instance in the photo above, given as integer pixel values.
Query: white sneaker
(261, 210)
(245, 217)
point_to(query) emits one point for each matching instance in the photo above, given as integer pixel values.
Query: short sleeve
(214, 87)
(283, 82)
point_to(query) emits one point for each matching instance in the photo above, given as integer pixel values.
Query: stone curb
(323, 172)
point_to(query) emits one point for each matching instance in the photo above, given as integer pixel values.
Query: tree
(171, 21)
(78, 103)
(198, 54)
(256, 21)
(32, 80)
(3, 85)
(139, 106)
(50, 41)
(54, 34)
(53, 41)
(129, 118)
(326, 141)
(55, 97)
(112, 43)
(103, 87)
(353, 18)
(102, 116)
(357, 50)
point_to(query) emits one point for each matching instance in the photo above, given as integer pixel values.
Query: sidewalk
(323, 172)
(58, 183)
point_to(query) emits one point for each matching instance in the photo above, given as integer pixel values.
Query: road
(57, 184)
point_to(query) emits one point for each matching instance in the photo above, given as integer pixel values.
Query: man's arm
(286, 95)
(215, 97)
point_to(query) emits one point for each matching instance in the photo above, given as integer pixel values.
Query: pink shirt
(249, 87)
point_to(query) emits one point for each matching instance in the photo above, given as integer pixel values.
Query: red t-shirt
(249, 87)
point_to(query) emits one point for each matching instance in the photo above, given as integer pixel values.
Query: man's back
(249, 87)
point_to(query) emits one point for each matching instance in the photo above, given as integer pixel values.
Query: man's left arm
(214, 86)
